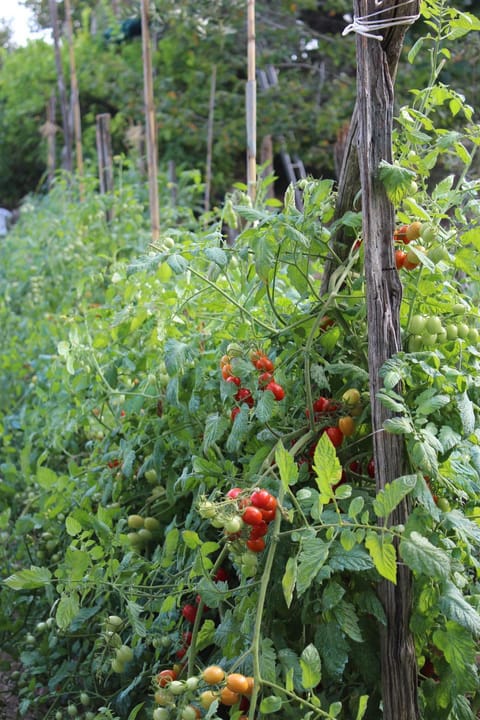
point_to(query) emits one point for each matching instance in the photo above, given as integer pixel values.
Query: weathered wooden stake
(77, 123)
(210, 126)
(251, 103)
(105, 157)
(150, 124)
(384, 293)
(51, 144)
(67, 163)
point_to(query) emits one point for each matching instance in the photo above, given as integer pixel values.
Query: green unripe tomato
(234, 524)
(134, 539)
(417, 324)
(442, 336)
(176, 687)
(58, 715)
(117, 665)
(135, 522)
(151, 524)
(85, 699)
(217, 522)
(113, 639)
(463, 330)
(145, 536)
(41, 627)
(189, 713)
(113, 622)
(429, 233)
(438, 254)
(415, 343)
(452, 331)
(207, 509)
(429, 340)
(72, 711)
(443, 504)
(151, 475)
(124, 653)
(433, 325)
(473, 336)
(161, 713)
(459, 309)
(89, 715)
(192, 682)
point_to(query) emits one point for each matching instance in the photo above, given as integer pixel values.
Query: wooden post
(210, 125)
(384, 293)
(51, 144)
(77, 123)
(105, 158)
(150, 124)
(67, 135)
(349, 180)
(251, 103)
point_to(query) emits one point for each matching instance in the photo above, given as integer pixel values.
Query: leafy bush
(187, 493)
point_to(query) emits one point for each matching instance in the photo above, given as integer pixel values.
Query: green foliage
(122, 433)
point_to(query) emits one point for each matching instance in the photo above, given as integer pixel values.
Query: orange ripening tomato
(347, 425)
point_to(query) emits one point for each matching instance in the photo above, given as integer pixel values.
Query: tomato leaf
(311, 667)
(29, 579)
(383, 555)
(327, 467)
(456, 608)
(312, 556)
(423, 558)
(67, 608)
(270, 704)
(362, 707)
(289, 579)
(287, 466)
(392, 494)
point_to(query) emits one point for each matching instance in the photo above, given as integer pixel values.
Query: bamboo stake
(211, 110)
(67, 136)
(77, 122)
(251, 103)
(150, 124)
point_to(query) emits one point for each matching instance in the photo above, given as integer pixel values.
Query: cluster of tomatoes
(265, 380)
(230, 689)
(244, 517)
(253, 513)
(408, 259)
(325, 410)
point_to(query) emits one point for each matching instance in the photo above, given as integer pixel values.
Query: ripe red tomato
(335, 435)
(264, 363)
(244, 396)
(264, 379)
(234, 379)
(268, 515)
(189, 612)
(258, 530)
(252, 515)
(260, 498)
(371, 468)
(221, 575)
(321, 404)
(400, 257)
(276, 389)
(165, 677)
(256, 545)
(234, 493)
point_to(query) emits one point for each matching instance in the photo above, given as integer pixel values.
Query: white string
(366, 27)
